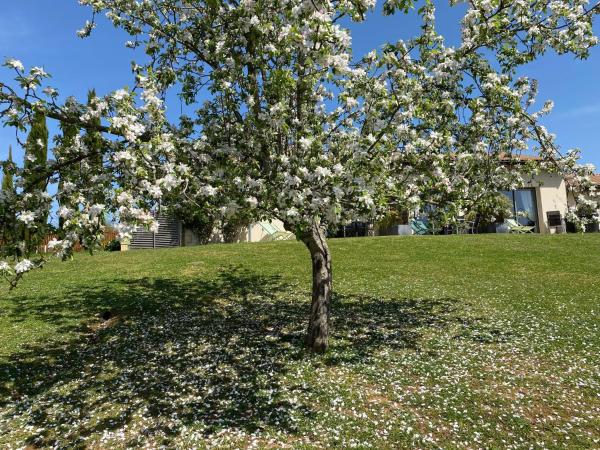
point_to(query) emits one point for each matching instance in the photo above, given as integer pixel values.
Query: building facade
(541, 204)
(543, 198)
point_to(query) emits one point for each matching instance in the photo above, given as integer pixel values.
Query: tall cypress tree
(36, 152)
(93, 142)
(7, 175)
(69, 133)
(36, 160)
(7, 217)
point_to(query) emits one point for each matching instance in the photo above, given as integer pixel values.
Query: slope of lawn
(488, 341)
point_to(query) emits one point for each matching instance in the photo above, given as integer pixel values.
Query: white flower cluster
(129, 125)
(15, 64)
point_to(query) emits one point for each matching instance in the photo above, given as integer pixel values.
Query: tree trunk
(317, 336)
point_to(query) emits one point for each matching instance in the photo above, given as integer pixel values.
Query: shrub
(113, 246)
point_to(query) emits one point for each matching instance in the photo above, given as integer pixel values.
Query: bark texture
(317, 335)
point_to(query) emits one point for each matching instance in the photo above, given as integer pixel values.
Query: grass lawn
(488, 341)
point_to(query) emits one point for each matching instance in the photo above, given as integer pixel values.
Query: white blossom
(305, 142)
(53, 243)
(96, 210)
(23, 266)
(15, 64)
(120, 94)
(65, 212)
(27, 217)
(207, 191)
(38, 72)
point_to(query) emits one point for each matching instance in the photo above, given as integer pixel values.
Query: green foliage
(391, 6)
(586, 210)
(202, 227)
(232, 228)
(66, 141)
(36, 163)
(393, 217)
(36, 152)
(193, 217)
(93, 139)
(94, 143)
(7, 214)
(7, 174)
(113, 245)
(493, 207)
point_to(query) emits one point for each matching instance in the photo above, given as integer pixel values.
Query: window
(524, 206)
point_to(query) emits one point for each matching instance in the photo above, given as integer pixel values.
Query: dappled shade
(176, 354)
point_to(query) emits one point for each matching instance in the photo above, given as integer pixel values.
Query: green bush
(112, 246)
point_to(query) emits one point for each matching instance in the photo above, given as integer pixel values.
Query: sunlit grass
(449, 341)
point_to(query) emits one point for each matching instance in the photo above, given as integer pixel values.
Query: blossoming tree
(288, 125)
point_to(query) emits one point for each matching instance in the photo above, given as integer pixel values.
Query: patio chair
(517, 228)
(420, 227)
(275, 234)
(463, 226)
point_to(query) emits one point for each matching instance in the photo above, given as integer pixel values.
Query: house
(540, 202)
(543, 201)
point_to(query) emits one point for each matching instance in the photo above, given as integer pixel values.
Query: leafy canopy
(290, 125)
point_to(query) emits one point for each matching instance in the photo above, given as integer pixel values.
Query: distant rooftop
(509, 157)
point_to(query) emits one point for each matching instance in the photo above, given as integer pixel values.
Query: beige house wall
(551, 195)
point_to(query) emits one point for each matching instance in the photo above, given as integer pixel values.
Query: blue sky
(42, 33)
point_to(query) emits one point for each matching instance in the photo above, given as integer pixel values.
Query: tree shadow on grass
(178, 354)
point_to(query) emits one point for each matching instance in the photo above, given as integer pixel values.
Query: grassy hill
(441, 341)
